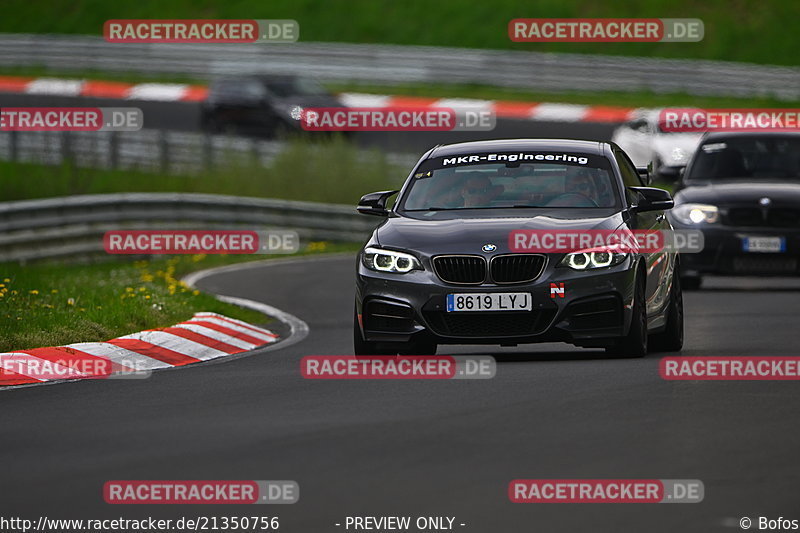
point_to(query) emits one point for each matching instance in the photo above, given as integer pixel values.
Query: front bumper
(723, 253)
(594, 309)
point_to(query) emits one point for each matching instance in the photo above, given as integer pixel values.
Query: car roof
(510, 145)
(718, 135)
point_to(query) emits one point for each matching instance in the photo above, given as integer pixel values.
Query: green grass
(53, 304)
(735, 30)
(332, 171)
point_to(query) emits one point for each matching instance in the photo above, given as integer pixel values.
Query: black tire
(691, 283)
(634, 344)
(671, 339)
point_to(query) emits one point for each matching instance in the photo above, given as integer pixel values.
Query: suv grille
(777, 217)
(516, 268)
(461, 269)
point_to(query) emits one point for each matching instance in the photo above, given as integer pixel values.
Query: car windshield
(748, 157)
(295, 87)
(583, 182)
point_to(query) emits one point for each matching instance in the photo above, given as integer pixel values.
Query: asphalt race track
(185, 116)
(439, 448)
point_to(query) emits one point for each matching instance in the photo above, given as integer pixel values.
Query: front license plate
(769, 245)
(490, 301)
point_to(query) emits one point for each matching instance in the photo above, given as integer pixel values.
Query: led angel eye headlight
(591, 260)
(381, 260)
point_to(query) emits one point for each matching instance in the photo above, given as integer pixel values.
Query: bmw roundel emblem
(765, 201)
(489, 247)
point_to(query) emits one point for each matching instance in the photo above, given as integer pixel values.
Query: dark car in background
(440, 268)
(267, 105)
(743, 191)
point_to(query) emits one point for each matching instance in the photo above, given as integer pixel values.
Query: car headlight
(296, 112)
(382, 260)
(592, 260)
(695, 213)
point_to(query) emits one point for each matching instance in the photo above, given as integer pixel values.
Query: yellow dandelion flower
(147, 297)
(34, 292)
(70, 301)
(195, 292)
(6, 280)
(54, 291)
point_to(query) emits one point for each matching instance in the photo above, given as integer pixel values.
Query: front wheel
(671, 339)
(691, 283)
(634, 344)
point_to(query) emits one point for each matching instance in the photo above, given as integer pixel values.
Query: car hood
(447, 233)
(730, 192)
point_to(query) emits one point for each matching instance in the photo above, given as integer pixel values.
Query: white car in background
(644, 141)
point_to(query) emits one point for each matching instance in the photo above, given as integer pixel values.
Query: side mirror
(374, 203)
(652, 199)
(639, 125)
(646, 173)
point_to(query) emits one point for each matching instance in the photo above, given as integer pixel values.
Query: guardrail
(394, 64)
(168, 152)
(73, 226)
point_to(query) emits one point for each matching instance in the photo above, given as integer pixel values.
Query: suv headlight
(695, 213)
(592, 260)
(382, 260)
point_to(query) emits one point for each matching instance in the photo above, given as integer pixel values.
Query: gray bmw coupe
(445, 266)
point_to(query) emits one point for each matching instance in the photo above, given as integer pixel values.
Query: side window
(630, 178)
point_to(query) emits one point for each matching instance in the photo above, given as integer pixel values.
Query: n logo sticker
(556, 290)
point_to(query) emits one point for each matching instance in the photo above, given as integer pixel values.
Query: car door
(659, 263)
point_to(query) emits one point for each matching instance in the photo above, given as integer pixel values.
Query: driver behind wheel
(579, 180)
(478, 190)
